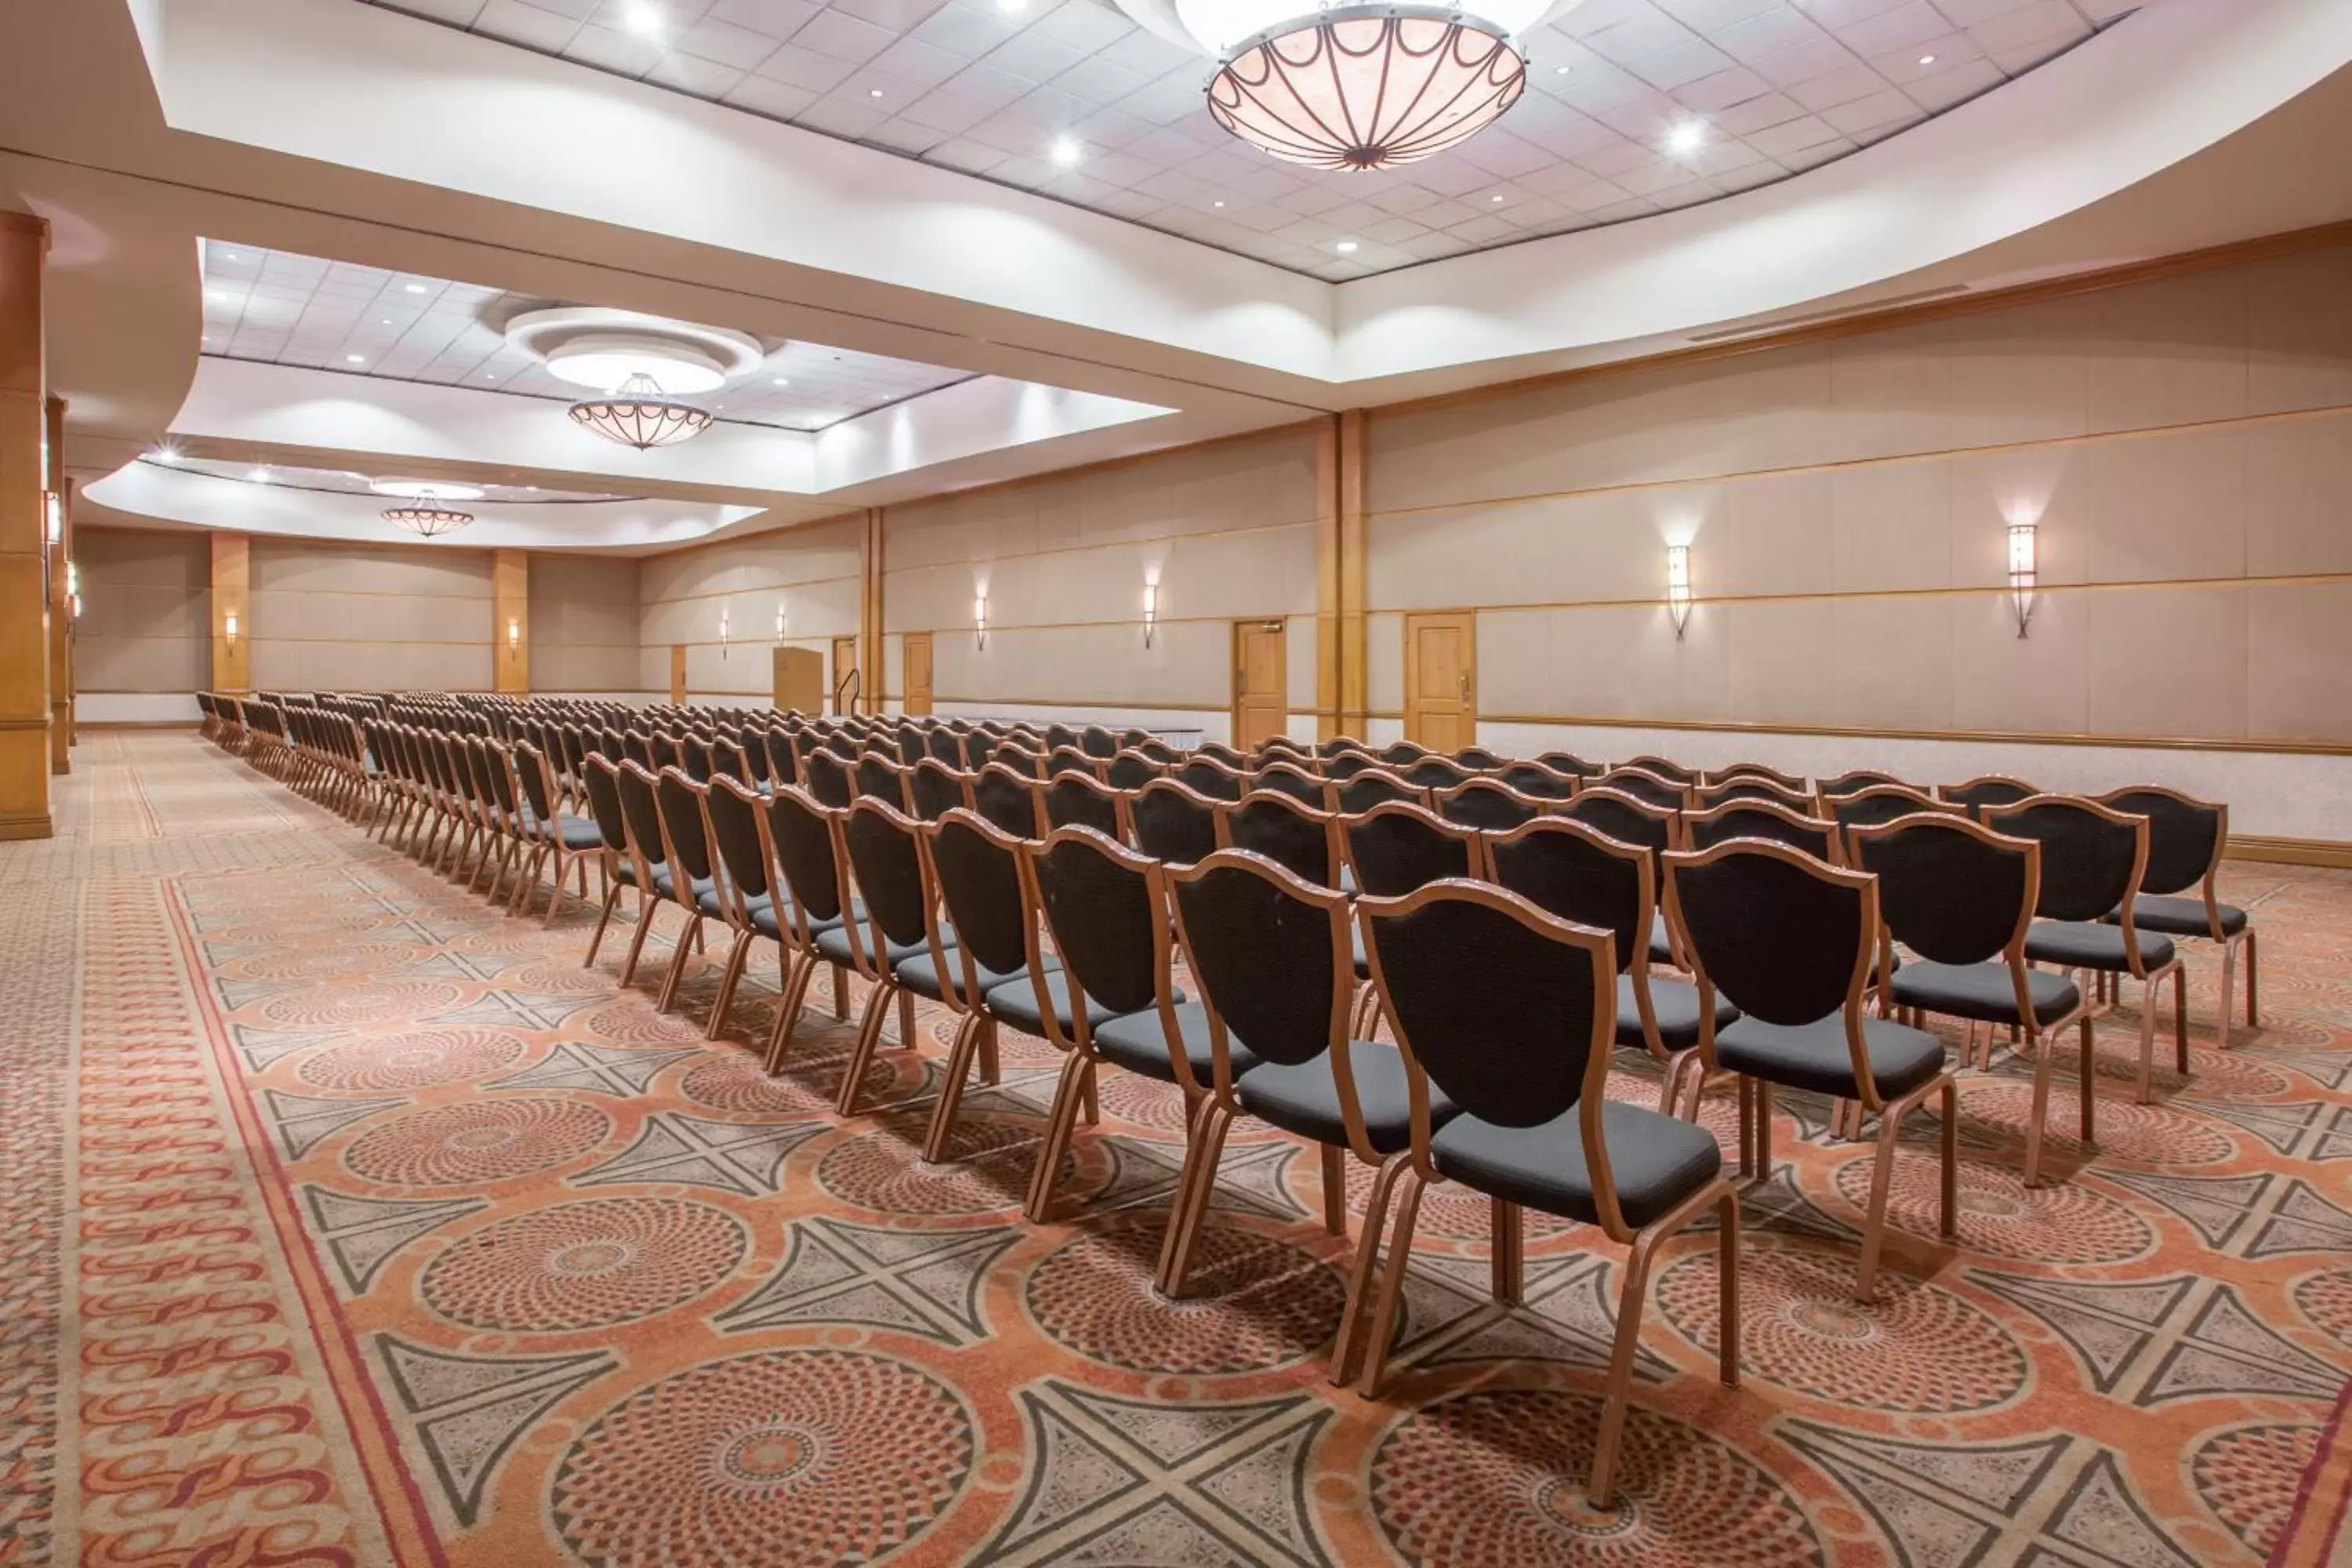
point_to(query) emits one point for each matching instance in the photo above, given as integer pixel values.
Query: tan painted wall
(143, 630)
(584, 624)
(348, 617)
(1228, 530)
(811, 571)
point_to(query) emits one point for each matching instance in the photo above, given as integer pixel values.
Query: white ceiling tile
(1033, 56)
(534, 27)
(1791, 136)
(1083, 24)
(898, 16)
(1099, 81)
(1838, 14)
(841, 36)
(1712, 95)
(1744, 119)
(845, 117)
(1819, 57)
(919, 64)
(1867, 113)
(777, 19)
(765, 95)
(1846, 86)
(1913, 22)
(2034, 24)
(1686, 62)
(1646, 33)
(457, 12)
(805, 68)
(1950, 87)
(729, 45)
(967, 30)
(689, 74)
(624, 53)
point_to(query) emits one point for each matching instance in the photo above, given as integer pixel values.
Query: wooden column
(1340, 680)
(25, 593)
(61, 617)
(232, 655)
(511, 621)
(869, 612)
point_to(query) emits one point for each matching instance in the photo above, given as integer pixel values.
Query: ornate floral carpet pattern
(350, 1221)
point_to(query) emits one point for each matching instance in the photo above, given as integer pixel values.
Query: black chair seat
(921, 976)
(1304, 1099)
(1139, 1042)
(2087, 944)
(572, 832)
(707, 900)
(1016, 1002)
(1662, 949)
(1984, 991)
(2182, 917)
(832, 944)
(1657, 1162)
(1815, 1056)
(1673, 1006)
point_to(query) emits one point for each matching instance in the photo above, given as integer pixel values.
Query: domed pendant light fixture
(638, 414)
(1368, 87)
(423, 514)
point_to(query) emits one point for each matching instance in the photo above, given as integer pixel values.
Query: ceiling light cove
(599, 348)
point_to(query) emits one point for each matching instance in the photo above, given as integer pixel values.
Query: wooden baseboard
(16, 825)
(88, 724)
(2290, 851)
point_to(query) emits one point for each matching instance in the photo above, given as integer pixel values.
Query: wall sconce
(514, 633)
(779, 623)
(228, 629)
(56, 505)
(1678, 586)
(980, 622)
(1150, 611)
(722, 631)
(2024, 571)
(73, 589)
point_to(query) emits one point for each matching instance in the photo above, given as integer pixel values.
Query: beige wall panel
(820, 609)
(1570, 549)
(2299, 661)
(2298, 480)
(575, 667)
(292, 566)
(2020, 375)
(558, 622)
(570, 579)
(113, 608)
(1515, 659)
(1891, 392)
(980, 526)
(1623, 661)
(2168, 507)
(1784, 658)
(1189, 664)
(1777, 540)
(138, 664)
(2168, 661)
(758, 561)
(1891, 527)
(741, 670)
(1383, 662)
(2299, 332)
(362, 665)
(1893, 666)
(2045, 485)
(2172, 351)
(318, 616)
(2039, 683)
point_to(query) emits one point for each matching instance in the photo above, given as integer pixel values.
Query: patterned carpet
(352, 1222)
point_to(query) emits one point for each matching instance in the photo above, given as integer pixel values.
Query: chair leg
(646, 908)
(959, 1067)
(2251, 1021)
(2180, 1019)
(1383, 1327)
(861, 1055)
(2222, 1015)
(739, 954)
(1747, 1126)
(2037, 1119)
(1196, 1184)
(676, 971)
(1059, 1122)
(604, 918)
(907, 1020)
(1950, 1195)
(1873, 1228)
(1615, 1392)
(788, 1008)
(989, 1071)
(1335, 1189)
(1348, 1347)
(1508, 1246)
(2149, 992)
(2088, 1075)
(1763, 1127)
(840, 994)
(1727, 1267)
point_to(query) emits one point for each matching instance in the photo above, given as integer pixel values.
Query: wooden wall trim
(1980, 737)
(870, 609)
(1973, 591)
(2327, 852)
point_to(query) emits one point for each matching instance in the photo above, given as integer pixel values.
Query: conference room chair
(554, 834)
(1072, 800)
(1008, 799)
(653, 874)
(934, 788)
(1477, 759)
(945, 746)
(1744, 786)
(1579, 874)
(1744, 817)
(1433, 772)
(1211, 776)
(1489, 804)
(1060, 735)
(1650, 788)
(2186, 838)
(1218, 752)
(898, 922)
(1398, 846)
(1071, 760)
(1338, 744)
(1632, 820)
(621, 864)
(1347, 764)
(2093, 860)
(1403, 754)
(1503, 1013)
(1662, 767)
(1019, 758)
(1171, 822)
(1131, 769)
(1300, 838)
(1099, 741)
(746, 892)
(1288, 778)
(1733, 772)
(1362, 792)
(815, 901)
(1855, 779)
(1271, 956)
(1973, 795)
(1960, 896)
(1106, 910)
(881, 778)
(829, 779)
(1569, 763)
(1158, 750)
(975, 871)
(693, 868)
(1874, 803)
(1791, 941)
(1539, 781)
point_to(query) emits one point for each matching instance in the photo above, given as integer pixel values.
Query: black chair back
(1786, 938)
(1362, 791)
(1582, 876)
(1108, 918)
(1131, 770)
(1672, 771)
(1487, 804)
(1007, 799)
(1173, 823)
(1290, 779)
(735, 832)
(827, 777)
(2092, 856)
(879, 778)
(1538, 782)
(1743, 817)
(978, 870)
(601, 777)
(1210, 776)
(1649, 788)
(681, 813)
(1397, 847)
(1985, 790)
(1299, 838)
(1270, 953)
(1950, 890)
(640, 803)
(2185, 835)
(1623, 819)
(1075, 800)
(887, 862)
(801, 829)
(935, 789)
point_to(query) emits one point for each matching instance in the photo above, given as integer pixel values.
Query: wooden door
(1441, 680)
(678, 674)
(915, 663)
(846, 690)
(1261, 669)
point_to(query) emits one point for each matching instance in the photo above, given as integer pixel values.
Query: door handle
(1463, 687)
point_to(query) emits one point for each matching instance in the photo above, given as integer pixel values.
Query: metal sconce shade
(980, 621)
(2023, 570)
(229, 628)
(514, 633)
(1678, 586)
(1150, 611)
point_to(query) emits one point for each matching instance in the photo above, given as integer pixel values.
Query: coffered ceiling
(1635, 106)
(283, 309)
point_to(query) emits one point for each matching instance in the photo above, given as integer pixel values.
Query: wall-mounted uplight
(73, 588)
(1150, 611)
(2024, 571)
(980, 622)
(56, 505)
(722, 631)
(228, 629)
(1678, 586)
(779, 623)
(514, 633)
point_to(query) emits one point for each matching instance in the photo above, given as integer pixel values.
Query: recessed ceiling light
(356, 358)
(1216, 204)
(1686, 138)
(1496, 198)
(1559, 70)
(414, 287)
(1346, 248)
(1012, 7)
(642, 19)
(1067, 150)
(873, 92)
(259, 476)
(783, 381)
(167, 454)
(1927, 60)
(220, 296)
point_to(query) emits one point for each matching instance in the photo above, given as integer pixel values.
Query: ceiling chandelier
(638, 413)
(1368, 87)
(424, 514)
